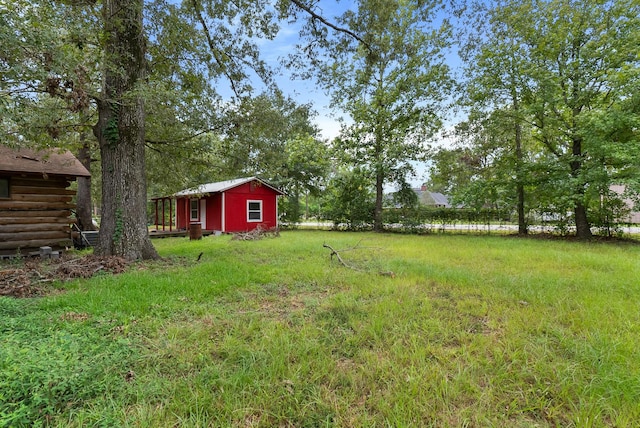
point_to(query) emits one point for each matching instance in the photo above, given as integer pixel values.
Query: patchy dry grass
(469, 331)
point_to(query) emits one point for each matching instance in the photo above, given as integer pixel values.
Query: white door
(203, 213)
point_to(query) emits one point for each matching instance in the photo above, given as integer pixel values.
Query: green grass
(471, 331)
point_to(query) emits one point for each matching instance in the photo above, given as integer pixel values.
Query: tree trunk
(522, 223)
(83, 195)
(120, 132)
(377, 214)
(306, 205)
(583, 228)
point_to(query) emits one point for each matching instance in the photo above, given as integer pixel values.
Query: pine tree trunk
(120, 132)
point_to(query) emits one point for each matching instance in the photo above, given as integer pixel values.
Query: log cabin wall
(36, 212)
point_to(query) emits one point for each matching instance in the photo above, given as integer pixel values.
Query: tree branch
(337, 254)
(213, 49)
(182, 140)
(329, 24)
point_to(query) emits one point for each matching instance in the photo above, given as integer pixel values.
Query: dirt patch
(32, 277)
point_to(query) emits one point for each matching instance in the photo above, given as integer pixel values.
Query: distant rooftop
(432, 198)
(440, 199)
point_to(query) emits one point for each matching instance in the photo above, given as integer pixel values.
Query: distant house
(434, 199)
(35, 198)
(231, 206)
(633, 216)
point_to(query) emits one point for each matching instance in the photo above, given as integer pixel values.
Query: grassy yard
(467, 331)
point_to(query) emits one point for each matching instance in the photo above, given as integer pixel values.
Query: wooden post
(163, 214)
(156, 205)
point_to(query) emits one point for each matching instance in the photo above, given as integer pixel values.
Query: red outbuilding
(239, 205)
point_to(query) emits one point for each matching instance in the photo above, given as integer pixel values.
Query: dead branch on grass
(337, 254)
(345, 264)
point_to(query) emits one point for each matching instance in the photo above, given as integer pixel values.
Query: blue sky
(307, 91)
(304, 91)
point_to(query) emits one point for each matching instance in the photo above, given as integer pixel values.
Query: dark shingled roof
(50, 162)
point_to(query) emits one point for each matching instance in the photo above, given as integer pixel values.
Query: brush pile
(257, 234)
(32, 277)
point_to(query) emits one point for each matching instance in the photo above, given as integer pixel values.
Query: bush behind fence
(433, 220)
(427, 219)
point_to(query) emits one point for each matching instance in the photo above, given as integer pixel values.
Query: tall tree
(391, 81)
(495, 64)
(121, 134)
(582, 62)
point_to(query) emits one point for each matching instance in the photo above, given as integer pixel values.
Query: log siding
(37, 213)
(38, 209)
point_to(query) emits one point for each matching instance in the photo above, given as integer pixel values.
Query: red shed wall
(214, 212)
(212, 209)
(182, 213)
(235, 203)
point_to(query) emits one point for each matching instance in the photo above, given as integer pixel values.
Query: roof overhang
(222, 186)
(45, 162)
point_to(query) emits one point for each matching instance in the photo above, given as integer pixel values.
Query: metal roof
(53, 162)
(440, 199)
(222, 186)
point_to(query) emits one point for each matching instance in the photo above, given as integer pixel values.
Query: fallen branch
(345, 264)
(337, 254)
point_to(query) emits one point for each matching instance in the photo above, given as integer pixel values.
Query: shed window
(193, 209)
(4, 187)
(254, 211)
